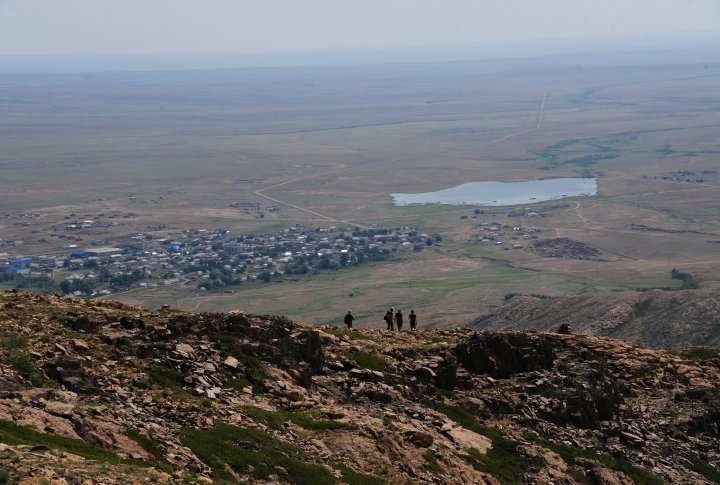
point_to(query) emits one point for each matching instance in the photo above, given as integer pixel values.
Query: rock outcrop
(104, 389)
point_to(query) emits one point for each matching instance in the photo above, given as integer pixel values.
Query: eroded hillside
(656, 319)
(100, 392)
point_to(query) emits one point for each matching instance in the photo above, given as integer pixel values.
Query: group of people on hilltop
(392, 318)
(395, 318)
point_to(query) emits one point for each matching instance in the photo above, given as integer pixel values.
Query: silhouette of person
(389, 318)
(349, 319)
(413, 320)
(399, 319)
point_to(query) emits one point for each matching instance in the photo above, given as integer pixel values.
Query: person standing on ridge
(389, 318)
(399, 319)
(413, 320)
(349, 319)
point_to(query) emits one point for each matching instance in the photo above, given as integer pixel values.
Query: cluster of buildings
(209, 259)
(497, 234)
(685, 176)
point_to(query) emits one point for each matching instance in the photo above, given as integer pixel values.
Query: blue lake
(502, 193)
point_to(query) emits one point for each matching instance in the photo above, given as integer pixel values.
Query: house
(23, 270)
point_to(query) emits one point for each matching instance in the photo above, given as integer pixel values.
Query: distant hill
(656, 319)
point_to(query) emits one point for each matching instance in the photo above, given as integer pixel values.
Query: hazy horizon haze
(45, 27)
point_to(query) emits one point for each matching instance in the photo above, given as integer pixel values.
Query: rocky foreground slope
(655, 319)
(100, 392)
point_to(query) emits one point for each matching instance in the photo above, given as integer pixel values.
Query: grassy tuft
(431, 464)
(166, 377)
(351, 477)
(149, 445)
(569, 454)
(253, 369)
(700, 353)
(26, 366)
(275, 419)
(13, 434)
(368, 361)
(502, 460)
(239, 449)
(12, 341)
(706, 470)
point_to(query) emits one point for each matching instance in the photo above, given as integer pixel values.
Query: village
(93, 255)
(87, 261)
(206, 259)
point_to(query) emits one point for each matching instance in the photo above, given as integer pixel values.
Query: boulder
(447, 371)
(504, 355)
(420, 439)
(71, 374)
(84, 323)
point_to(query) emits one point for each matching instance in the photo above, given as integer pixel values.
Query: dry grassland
(329, 146)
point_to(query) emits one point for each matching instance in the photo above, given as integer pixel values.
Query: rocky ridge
(101, 392)
(655, 319)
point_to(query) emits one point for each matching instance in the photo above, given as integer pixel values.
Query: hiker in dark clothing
(399, 319)
(389, 319)
(349, 319)
(413, 320)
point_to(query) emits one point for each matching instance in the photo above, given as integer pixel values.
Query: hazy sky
(256, 26)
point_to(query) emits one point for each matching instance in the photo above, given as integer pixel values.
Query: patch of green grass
(480, 252)
(26, 366)
(275, 419)
(239, 449)
(149, 445)
(4, 476)
(705, 470)
(253, 369)
(13, 434)
(368, 361)
(431, 209)
(700, 353)
(167, 377)
(12, 341)
(445, 393)
(431, 464)
(351, 477)
(570, 453)
(502, 460)
(75, 335)
(235, 382)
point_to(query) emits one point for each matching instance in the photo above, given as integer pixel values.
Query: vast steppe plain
(329, 144)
